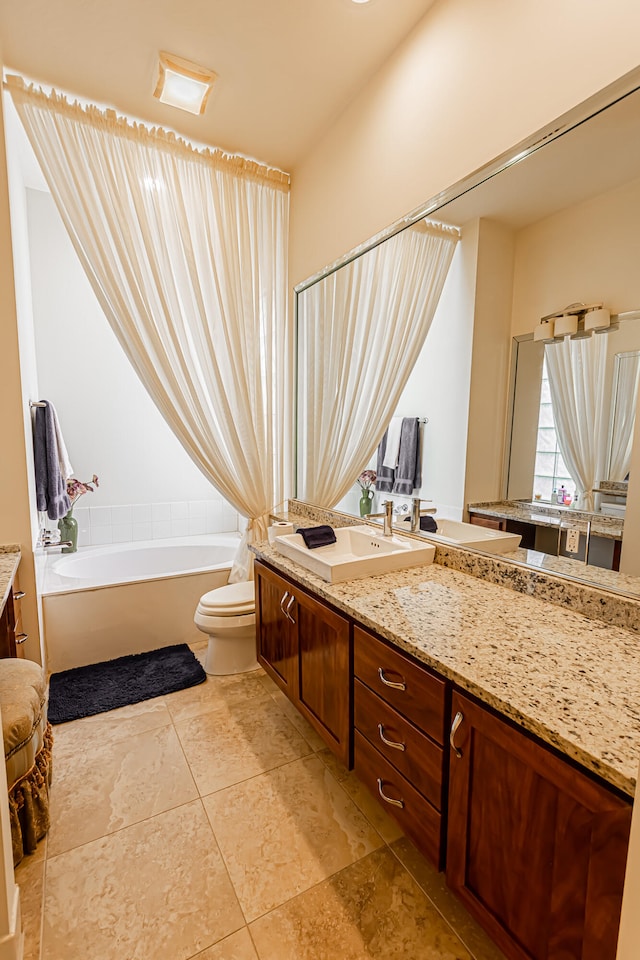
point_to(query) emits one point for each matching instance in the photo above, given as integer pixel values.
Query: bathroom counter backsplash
(548, 515)
(9, 560)
(570, 680)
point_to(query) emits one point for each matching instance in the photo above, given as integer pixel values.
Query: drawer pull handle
(394, 803)
(390, 743)
(19, 595)
(391, 683)
(21, 637)
(287, 609)
(457, 720)
(282, 600)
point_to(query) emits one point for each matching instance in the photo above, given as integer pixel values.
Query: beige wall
(15, 511)
(472, 80)
(588, 253)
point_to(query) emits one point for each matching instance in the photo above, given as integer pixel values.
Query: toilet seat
(232, 600)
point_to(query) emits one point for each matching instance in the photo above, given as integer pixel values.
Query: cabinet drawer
(481, 521)
(420, 760)
(411, 689)
(420, 821)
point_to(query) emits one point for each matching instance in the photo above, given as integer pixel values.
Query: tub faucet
(57, 543)
(416, 513)
(387, 530)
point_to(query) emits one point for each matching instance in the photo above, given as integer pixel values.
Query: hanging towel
(320, 536)
(384, 476)
(393, 443)
(66, 470)
(408, 456)
(51, 489)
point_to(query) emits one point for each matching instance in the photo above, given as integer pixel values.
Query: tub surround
(9, 562)
(570, 680)
(546, 515)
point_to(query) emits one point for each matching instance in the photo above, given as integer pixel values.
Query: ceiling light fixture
(183, 84)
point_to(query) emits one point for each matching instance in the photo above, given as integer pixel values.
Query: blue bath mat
(85, 691)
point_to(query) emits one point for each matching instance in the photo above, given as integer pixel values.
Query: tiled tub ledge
(572, 681)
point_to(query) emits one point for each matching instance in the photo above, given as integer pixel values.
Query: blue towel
(315, 537)
(51, 489)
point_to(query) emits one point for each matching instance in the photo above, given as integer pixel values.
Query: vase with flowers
(68, 525)
(365, 481)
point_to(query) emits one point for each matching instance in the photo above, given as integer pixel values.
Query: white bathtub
(105, 602)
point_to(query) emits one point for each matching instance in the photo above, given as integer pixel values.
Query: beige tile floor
(212, 824)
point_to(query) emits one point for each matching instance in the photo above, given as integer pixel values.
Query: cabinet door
(324, 668)
(536, 849)
(276, 638)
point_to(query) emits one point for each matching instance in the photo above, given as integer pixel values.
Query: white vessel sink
(460, 534)
(358, 552)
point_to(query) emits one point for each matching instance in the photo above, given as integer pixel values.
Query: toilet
(227, 615)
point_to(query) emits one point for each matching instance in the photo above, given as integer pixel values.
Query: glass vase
(365, 503)
(68, 527)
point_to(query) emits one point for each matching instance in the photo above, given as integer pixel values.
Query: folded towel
(315, 537)
(51, 489)
(427, 523)
(407, 469)
(384, 475)
(393, 443)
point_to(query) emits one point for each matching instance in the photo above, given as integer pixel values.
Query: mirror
(586, 168)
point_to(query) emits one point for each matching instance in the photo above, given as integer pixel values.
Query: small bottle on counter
(562, 492)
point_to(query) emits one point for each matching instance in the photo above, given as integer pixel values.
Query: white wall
(149, 486)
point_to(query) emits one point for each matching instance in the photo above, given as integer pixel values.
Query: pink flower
(366, 479)
(76, 488)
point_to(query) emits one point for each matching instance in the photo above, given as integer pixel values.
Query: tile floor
(213, 824)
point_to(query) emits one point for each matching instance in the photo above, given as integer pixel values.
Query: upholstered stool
(27, 751)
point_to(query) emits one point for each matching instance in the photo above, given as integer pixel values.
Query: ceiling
(286, 68)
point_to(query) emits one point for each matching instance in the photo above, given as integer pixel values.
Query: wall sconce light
(577, 321)
(183, 84)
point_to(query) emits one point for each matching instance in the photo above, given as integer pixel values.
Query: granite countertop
(548, 515)
(570, 680)
(9, 560)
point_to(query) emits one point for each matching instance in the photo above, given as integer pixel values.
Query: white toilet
(227, 615)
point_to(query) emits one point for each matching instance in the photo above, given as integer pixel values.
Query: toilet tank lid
(233, 598)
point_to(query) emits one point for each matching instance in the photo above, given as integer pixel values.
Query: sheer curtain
(577, 380)
(186, 251)
(360, 332)
(624, 414)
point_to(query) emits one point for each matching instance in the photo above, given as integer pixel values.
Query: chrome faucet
(57, 543)
(387, 530)
(416, 513)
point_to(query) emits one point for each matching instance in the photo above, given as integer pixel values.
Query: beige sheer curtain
(186, 251)
(360, 331)
(577, 381)
(624, 414)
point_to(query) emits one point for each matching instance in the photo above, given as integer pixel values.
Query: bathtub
(105, 602)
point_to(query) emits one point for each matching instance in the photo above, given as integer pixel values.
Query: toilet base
(228, 656)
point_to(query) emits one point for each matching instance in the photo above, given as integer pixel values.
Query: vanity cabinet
(399, 718)
(12, 635)
(536, 849)
(305, 647)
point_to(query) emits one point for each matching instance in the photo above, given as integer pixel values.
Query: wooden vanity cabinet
(399, 717)
(11, 634)
(536, 849)
(305, 647)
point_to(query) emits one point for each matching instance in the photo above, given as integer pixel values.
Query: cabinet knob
(395, 744)
(457, 720)
(19, 595)
(391, 683)
(21, 637)
(394, 803)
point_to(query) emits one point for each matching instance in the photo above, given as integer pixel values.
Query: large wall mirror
(551, 226)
